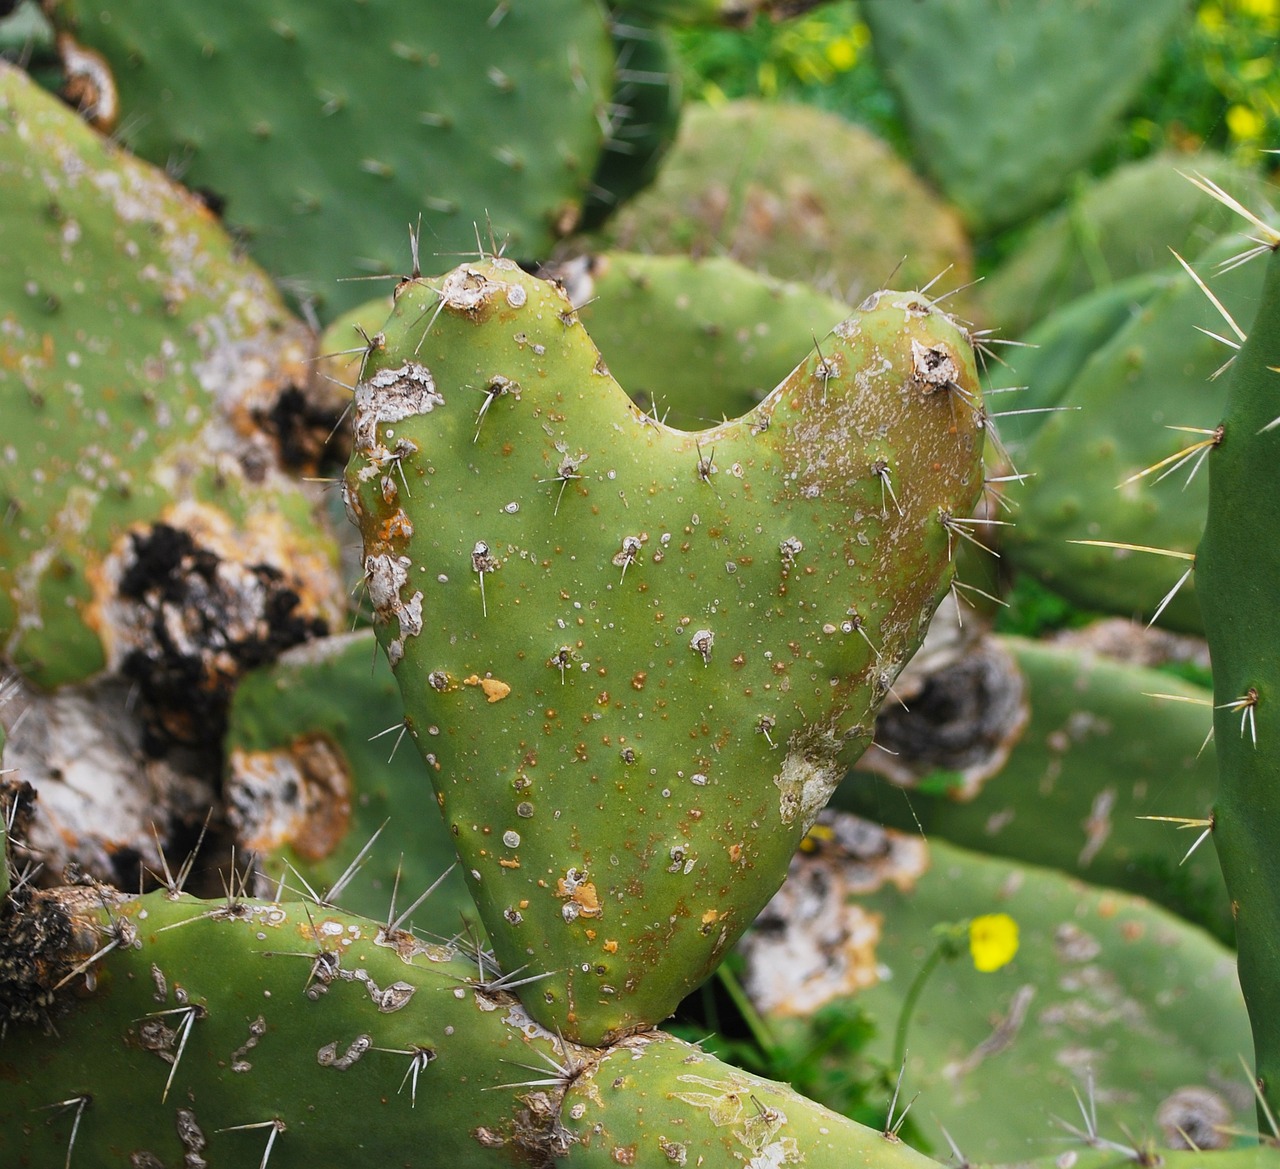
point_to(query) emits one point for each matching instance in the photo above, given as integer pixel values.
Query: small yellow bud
(993, 941)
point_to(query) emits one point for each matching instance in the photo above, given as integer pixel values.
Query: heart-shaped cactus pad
(638, 660)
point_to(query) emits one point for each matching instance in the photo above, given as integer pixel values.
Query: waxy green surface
(139, 355)
(327, 128)
(637, 659)
(1237, 564)
(252, 1033)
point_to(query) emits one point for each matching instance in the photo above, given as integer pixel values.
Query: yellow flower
(993, 941)
(1259, 8)
(842, 54)
(1244, 123)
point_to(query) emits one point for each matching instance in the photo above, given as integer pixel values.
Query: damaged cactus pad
(638, 660)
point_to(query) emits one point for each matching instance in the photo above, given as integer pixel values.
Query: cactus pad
(799, 193)
(326, 128)
(288, 1036)
(1006, 101)
(638, 659)
(149, 526)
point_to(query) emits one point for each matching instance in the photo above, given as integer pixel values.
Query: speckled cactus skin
(1237, 566)
(637, 659)
(327, 128)
(693, 341)
(141, 363)
(246, 1032)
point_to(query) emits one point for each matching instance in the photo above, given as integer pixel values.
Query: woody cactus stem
(638, 660)
(1237, 567)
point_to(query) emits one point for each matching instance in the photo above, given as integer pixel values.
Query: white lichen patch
(387, 397)
(812, 944)
(386, 575)
(810, 772)
(465, 289)
(100, 792)
(518, 1018)
(933, 366)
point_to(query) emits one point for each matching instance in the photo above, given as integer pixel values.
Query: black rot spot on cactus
(198, 622)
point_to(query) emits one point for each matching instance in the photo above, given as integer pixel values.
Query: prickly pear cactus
(289, 1035)
(799, 193)
(1098, 753)
(1059, 73)
(1120, 463)
(728, 334)
(327, 128)
(860, 914)
(1237, 563)
(1118, 227)
(1051, 355)
(645, 108)
(150, 527)
(636, 659)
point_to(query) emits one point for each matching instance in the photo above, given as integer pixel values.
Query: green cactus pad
(1103, 986)
(637, 659)
(1098, 753)
(645, 108)
(316, 769)
(1005, 102)
(798, 193)
(657, 1101)
(149, 527)
(1047, 360)
(1154, 374)
(326, 129)
(292, 1035)
(1120, 226)
(727, 335)
(1237, 563)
